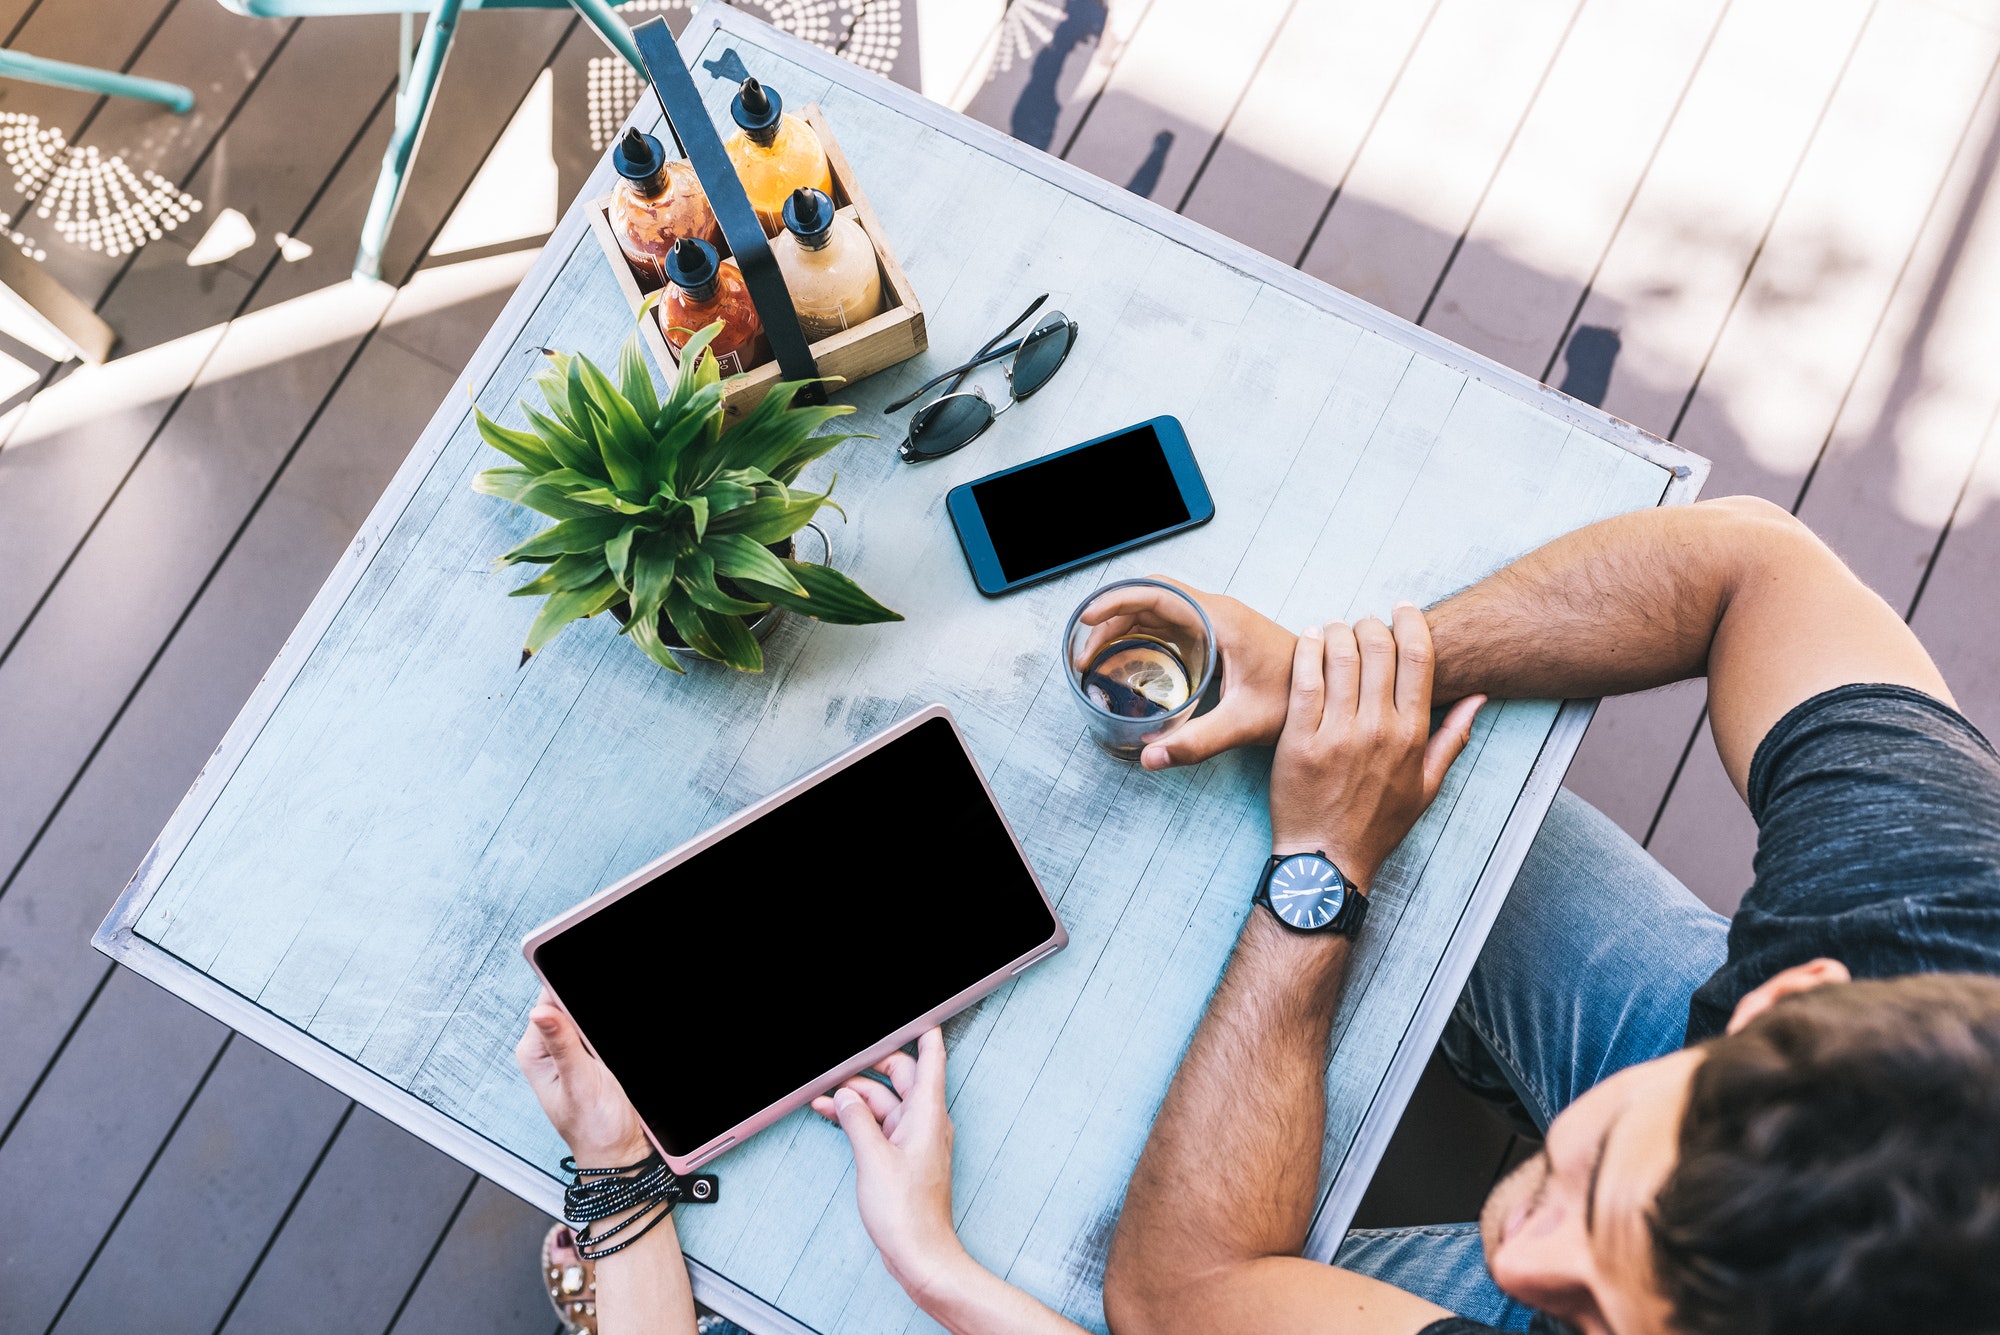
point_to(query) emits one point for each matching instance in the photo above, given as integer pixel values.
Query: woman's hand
(902, 1163)
(1358, 762)
(581, 1097)
(1256, 672)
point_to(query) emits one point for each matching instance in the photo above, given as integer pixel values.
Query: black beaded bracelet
(596, 1194)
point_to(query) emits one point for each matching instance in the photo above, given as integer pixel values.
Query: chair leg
(62, 74)
(413, 109)
(612, 29)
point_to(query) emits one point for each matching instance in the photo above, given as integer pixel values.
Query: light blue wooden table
(348, 881)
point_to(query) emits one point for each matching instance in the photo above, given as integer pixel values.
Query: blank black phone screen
(1077, 503)
(801, 940)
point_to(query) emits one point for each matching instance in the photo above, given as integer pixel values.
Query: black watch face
(1306, 891)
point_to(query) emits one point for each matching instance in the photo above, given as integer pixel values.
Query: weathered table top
(349, 880)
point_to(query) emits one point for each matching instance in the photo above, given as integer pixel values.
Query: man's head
(1831, 1164)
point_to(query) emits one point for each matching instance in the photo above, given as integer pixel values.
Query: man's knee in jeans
(1588, 969)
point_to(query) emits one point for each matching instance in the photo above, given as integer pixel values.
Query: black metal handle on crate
(694, 134)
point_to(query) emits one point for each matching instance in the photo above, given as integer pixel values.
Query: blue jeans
(1588, 970)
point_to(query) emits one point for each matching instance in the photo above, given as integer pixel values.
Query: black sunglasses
(954, 420)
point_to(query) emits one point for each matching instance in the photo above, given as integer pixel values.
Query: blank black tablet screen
(802, 939)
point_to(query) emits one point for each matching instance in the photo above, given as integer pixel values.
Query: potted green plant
(680, 529)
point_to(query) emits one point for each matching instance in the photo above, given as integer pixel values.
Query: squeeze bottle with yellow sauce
(774, 154)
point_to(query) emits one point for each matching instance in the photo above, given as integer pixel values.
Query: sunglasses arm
(995, 355)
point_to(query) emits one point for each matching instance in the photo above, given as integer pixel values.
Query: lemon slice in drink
(1137, 679)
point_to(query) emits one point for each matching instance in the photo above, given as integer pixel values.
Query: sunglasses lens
(1042, 353)
(949, 424)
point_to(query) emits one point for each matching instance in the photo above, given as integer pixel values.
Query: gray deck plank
(1152, 127)
(1443, 133)
(357, 1239)
(1553, 210)
(86, 1120)
(188, 1240)
(1793, 350)
(104, 33)
(217, 54)
(495, 57)
(80, 438)
(1304, 118)
(186, 704)
(1955, 616)
(484, 1279)
(1898, 457)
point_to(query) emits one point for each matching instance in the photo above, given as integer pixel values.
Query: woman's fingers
(1414, 660)
(1446, 743)
(901, 1068)
(1343, 673)
(864, 1131)
(881, 1100)
(930, 1066)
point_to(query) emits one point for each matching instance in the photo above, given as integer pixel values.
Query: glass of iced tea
(1140, 654)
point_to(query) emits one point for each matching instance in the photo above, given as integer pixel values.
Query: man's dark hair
(1840, 1167)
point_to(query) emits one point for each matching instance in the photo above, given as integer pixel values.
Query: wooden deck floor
(1755, 226)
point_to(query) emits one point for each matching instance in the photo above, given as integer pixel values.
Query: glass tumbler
(1140, 654)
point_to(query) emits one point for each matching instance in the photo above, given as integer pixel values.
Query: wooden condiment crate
(881, 341)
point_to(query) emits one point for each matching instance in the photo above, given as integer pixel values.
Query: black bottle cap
(640, 160)
(692, 267)
(809, 216)
(757, 110)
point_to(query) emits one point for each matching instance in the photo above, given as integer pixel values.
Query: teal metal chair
(62, 74)
(417, 84)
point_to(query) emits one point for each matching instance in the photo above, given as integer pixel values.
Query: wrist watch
(1307, 893)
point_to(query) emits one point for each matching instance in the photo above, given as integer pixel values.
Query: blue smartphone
(1050, 515)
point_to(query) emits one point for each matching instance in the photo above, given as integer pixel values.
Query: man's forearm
(1623, 605)
(1231, 1171)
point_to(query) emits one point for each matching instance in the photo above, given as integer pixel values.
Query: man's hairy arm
(1220, 1203)
(1736, 589)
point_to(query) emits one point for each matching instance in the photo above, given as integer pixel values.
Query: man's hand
(1357, 763)
(1256, 667)
(582, 1099)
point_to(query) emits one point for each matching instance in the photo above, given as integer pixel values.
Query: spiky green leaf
(653, 564)
(568, 572)
(618, 556)
(571, 535)
(622, 437)
(567, 605)
(771, 519)
(688, 625)
(697, 576)
(635, 380)
(570, 449)
(738, 647)
(739, 558)
(723, 496)
(521, 446)
(833, 597)
(606, 499)
(646, 634)
(698, 507)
